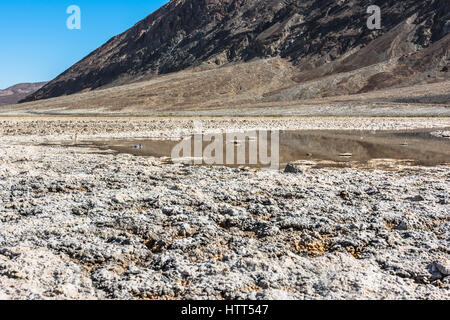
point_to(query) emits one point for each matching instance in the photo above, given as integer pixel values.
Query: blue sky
(36, 45)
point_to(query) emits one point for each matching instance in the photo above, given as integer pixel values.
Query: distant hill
(325, 47)
(17, 92)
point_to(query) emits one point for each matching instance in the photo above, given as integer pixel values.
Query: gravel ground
(80, 225)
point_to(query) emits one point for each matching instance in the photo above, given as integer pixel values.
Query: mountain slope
(19, 91)
(319, 37)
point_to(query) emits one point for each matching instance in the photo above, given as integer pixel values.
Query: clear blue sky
(35, 44)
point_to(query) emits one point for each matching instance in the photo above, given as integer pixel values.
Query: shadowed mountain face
(319, 37)
(17, 92)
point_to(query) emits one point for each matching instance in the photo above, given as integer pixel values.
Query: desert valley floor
(79, 222)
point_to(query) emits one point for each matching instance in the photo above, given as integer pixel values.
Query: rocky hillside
(318, 37)
(17, 92)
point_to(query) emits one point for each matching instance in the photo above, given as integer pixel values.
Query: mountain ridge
(210, 33)
(17, 92)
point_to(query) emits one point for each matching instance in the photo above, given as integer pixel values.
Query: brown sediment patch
(315, 248)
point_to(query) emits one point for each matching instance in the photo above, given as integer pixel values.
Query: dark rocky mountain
(319, 38)
(17, 92)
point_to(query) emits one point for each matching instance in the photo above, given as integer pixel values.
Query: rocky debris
(442, 134)
(293, 168)
(417, 198)
(443, 266)
(402, 226)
